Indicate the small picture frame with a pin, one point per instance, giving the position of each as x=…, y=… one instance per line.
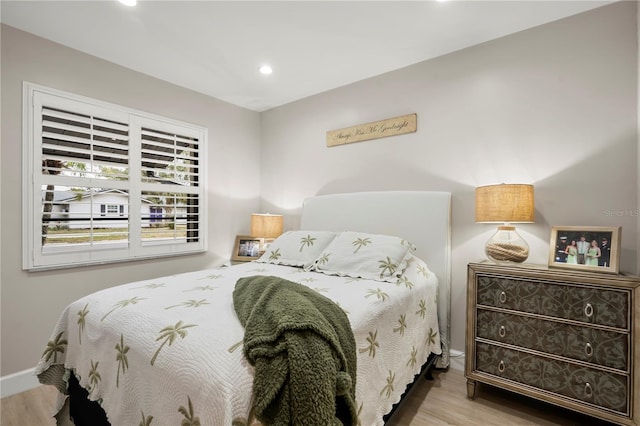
x=247, y=248
x=586, y=248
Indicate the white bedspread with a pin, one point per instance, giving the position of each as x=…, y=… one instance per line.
x=170, y=348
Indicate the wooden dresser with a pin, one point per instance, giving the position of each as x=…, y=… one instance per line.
x=566, y=337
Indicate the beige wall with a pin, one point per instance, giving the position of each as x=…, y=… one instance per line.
x=555, y=106
x=32, y=302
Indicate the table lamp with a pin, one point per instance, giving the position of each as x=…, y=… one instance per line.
x=267, y=226
x=507, y=204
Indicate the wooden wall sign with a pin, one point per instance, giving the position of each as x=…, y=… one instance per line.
x=374, y=130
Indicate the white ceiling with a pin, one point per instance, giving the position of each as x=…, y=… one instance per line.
x=216, y=47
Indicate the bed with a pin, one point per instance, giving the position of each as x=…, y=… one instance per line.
x=170, y=350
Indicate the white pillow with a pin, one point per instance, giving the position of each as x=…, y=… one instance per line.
x=297, y=248
x=417, y=271
x=361, y=255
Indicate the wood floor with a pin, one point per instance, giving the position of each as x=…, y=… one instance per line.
x=441, y=401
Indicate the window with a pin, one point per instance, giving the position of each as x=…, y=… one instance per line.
x=104, y=183
x=109, y=209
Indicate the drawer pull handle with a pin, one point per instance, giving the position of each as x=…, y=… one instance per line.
x=501, y=367
x=588, y=391
x=588, y=310
x=588, y=349
x=503, y=297
x=503, y=331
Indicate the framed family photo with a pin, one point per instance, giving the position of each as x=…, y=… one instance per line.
x=587, y=248
x=247, y=248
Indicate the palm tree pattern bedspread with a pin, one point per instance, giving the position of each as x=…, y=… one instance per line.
x=168, y=350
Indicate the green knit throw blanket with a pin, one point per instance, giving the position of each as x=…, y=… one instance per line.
x=303, y=351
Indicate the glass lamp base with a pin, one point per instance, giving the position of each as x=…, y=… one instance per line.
x=507, y=246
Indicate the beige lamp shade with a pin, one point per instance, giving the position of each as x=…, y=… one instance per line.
x=266, y=225
x=505, y=203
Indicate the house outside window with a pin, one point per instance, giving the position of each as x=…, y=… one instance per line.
x=98, y=176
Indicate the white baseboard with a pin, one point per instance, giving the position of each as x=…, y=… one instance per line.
x=18, y=382
x=456, y=360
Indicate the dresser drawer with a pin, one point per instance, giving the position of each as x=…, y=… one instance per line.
x=589, y=385
x=600, y=347
x=590, y=305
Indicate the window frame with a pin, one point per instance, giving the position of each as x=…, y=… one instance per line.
x=34, y=258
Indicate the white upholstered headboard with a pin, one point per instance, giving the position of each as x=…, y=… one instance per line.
x=421, y=217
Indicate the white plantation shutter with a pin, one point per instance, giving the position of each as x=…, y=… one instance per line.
x=169, y=156
x=90, y=141
x=105, y=183
x=170, y=174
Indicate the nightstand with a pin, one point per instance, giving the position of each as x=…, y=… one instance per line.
x=565, y=337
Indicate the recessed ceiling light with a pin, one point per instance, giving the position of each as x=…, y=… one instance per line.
x=128, y=2
x=266, y=69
